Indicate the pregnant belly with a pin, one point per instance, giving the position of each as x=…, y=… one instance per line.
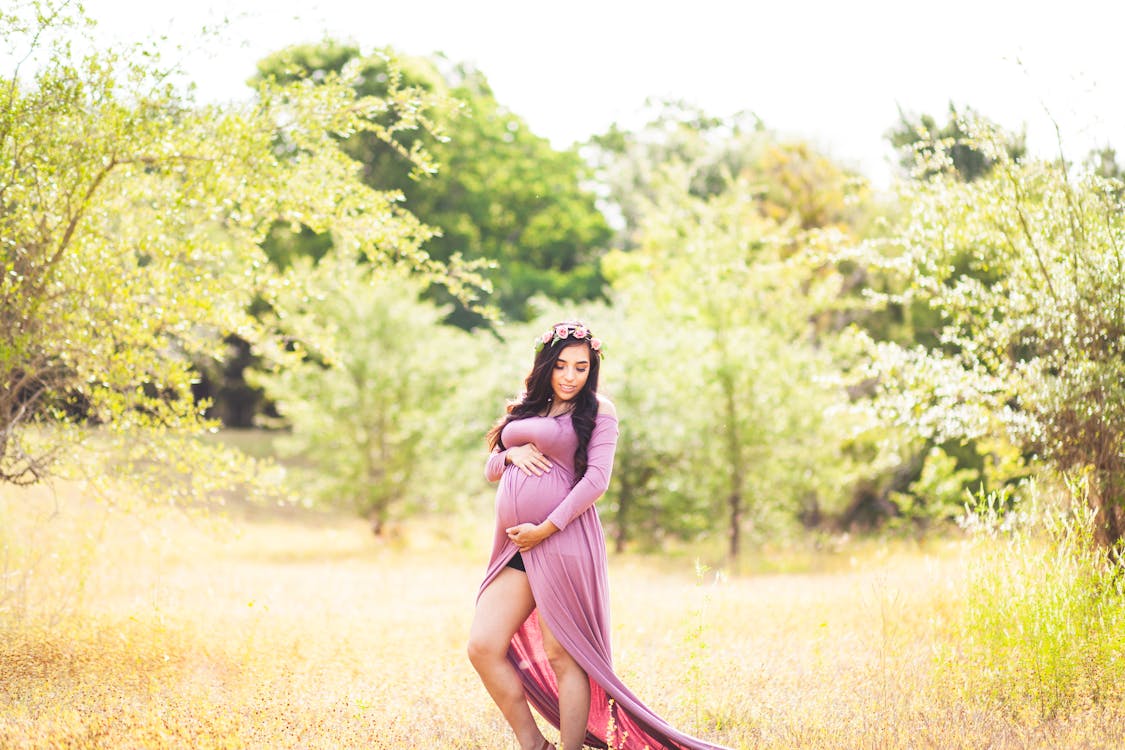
x=524, y=499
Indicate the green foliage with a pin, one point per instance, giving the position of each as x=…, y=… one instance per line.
x=649, y=371
x=939, y=491
x=1025, y=267
x=366, y=386
x=742, y=370
x=493, y=188
x=1103, y=162
x=633, y=164
x=730, y=231
x=918, y=139
x=1045, y=612
x=130, y=229
x=789, y=181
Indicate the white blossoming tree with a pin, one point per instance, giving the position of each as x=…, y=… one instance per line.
x=1025, y=267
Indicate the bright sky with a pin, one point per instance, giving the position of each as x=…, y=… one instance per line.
x=831, y=71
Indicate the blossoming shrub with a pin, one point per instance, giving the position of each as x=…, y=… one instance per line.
x=1024, y=269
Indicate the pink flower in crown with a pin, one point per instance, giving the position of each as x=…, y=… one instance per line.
x=561, y=332
x=547, y=337
x=580, y=332
x=595, y=343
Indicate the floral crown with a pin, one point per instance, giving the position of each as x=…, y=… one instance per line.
x=575, y=331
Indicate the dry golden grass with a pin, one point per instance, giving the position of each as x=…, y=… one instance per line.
x=288, y=630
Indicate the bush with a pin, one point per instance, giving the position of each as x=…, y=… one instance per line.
x=1045, y=615
x=1024, y=267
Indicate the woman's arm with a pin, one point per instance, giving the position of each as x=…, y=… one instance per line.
x=599, y=467
x=494, y=466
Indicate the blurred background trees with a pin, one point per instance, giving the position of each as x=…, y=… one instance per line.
x=365, y=385
x=919, y=139
x=1025, y=267
x=490, y=187
x=359, y=261
x=133, y=222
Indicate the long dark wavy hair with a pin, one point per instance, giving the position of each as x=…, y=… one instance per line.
x=537, y=396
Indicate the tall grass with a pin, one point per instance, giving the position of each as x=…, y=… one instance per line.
x=1044, y=629
x=300, y=631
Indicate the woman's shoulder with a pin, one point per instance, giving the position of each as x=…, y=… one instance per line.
x=606, y=407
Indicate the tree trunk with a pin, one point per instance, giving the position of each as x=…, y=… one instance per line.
x=377, y=523
x=734, y=459
x=735, y=503
x=624, y=502
x=1108, y=504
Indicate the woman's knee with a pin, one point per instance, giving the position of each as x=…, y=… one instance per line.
x=482, y=649
x=561, y=661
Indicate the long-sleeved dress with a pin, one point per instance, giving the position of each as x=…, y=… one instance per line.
x=568, y=577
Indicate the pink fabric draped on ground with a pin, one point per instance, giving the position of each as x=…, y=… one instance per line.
x=568, y=578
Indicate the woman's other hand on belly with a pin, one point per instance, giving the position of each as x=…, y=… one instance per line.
x=527, y=535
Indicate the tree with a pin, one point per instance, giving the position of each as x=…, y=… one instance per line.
x=493, y=189
x=364, y=384
x=1025, y=266
x=1103, y=161
x=918, y=138
x=131, y=221
x=649, y=371
x=745, y=371
x=788, y=180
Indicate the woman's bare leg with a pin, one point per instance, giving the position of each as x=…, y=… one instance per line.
x=574, y=691
x=501, y=609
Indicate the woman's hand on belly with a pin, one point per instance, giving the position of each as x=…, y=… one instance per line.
x=528, y=459
x=528, y=535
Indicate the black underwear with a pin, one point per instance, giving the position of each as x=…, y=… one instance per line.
x=517, y=563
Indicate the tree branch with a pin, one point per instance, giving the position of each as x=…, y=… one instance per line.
x=1028, y=235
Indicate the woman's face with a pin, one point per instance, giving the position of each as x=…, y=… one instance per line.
x=572, y=368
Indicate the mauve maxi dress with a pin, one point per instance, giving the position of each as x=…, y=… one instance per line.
x=567, y=573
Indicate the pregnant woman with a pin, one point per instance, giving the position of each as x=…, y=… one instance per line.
x=540, y=634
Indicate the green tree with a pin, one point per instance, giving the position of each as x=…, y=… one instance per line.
x=494, y=189
x=805, y=206
x=1104, y=163
x=649, y=369
x=130, y=229
x=789, y=181
x=920, y=139
x=747, y=374
x=365, y=385
x=1025, y=266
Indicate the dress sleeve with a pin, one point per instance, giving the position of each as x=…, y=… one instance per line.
x=599, y=466
x=494, y=467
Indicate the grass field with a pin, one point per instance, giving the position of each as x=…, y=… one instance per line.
x=298, y=630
